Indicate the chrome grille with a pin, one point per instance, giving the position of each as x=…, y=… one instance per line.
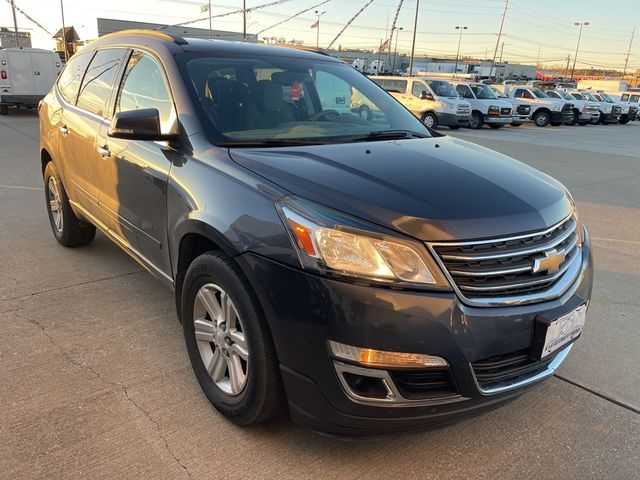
x=463, y=110
x=506, y=269
x=616, y=110
x=568, y=107
x=505, y=111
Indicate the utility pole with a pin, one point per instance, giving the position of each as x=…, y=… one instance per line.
x=500, y=62
x=64, y=33
x=626, y=62
x=455, y=70
x=210, y=30
x=575, y=57
x=566, y=70
x=538, y=61
x=395, y=50
x=15, y=24
x=495, y=52
x=244, y=20
x=413, y=42
x=379, y=58
x=318, y=15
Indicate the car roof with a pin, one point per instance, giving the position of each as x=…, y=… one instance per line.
x=160, y=40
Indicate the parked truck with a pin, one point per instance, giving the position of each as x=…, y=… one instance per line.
x=584, y=111
x=609, y=113
x=26, y=76
x=485, y=106
x=521, y=110
x=544, y=110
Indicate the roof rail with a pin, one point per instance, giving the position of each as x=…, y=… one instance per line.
x=177, y=39
x=302, y=47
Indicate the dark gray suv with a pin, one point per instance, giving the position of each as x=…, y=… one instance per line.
x=369, y=273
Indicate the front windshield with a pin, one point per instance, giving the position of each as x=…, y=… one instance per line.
x=539, y=93
x=590, y=97
x=564, y=95
x=442, y=88
x=607, y=98
x=482, y=92
x=279, y=99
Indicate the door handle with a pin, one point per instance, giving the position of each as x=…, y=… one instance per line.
x=64, y=130
x=104, y=151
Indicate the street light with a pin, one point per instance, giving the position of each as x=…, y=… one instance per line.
x=455, y=71
x=318, y=15
x=575, y=57
x=395, y=49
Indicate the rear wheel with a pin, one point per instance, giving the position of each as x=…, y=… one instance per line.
x=542, y=119
x=365, y=113
x=430, y=120
x=68, y=229
x=228, y=341
x=4, y=109
x=496, y=126
x=476, y=121
x=624, y=120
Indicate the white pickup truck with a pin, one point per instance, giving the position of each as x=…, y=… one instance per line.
x=628, y=110
x=26, y=76
x=521, y=110
x=544, y=110
x=584, y=111
x=609, y=113
x=485, y=106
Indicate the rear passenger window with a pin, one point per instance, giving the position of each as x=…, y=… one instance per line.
x=99, y=80
x=144, y=86
x=398, y=86
x=72, y=76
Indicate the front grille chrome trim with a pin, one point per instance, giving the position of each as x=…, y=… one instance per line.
x=481, y=288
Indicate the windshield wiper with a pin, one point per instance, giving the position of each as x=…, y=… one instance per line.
x=276, y=142
x=389, y=135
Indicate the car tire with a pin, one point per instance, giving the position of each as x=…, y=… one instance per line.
x=624, y=121
x=231, y=350
x=542, y=119
x=430, y=119
x=67, y=228
x=4, y=109
x=516, y=124
x=365, y=113
x=574, y=119
x=476, y=121
x=495, y=126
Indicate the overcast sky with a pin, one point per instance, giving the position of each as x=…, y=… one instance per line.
x=547, y=25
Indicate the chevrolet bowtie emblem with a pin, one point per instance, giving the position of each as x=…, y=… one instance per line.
x=550, y=262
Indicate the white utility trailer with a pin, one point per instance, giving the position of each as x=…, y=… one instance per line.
x=26, y=76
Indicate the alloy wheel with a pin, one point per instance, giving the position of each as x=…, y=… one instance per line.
x=55, y=204
x=220, y=338
x=429, y=121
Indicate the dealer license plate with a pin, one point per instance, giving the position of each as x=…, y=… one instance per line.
x=564, y=329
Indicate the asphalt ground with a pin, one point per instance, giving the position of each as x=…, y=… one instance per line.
x=95, y=381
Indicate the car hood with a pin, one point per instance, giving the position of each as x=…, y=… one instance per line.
x=431, y=189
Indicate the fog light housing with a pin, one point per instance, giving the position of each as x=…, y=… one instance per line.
x=384, y=359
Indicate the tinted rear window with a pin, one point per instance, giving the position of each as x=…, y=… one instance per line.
x=72, y=76
x=99, y=80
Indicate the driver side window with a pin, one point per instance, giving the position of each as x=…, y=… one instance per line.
x=417, y=88
x=464, y=91
x=144, y=86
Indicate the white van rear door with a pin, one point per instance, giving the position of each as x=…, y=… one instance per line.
x=45, y=71
x=20, y=72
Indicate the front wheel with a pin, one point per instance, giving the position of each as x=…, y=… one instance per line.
x=624, y=120
x=4, y=109
x=476, y=121
x=364, y=113
x=228, y=341
x=430, y=120
x=68, y=229
x=574, y=119
x=541, y=119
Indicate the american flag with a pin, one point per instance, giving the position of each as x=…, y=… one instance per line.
x=384, y=46
x=315, y=25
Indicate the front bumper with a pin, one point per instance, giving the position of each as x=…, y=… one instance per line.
x=610, y=118
x=498, y=120
x=562, y=117
x=453, y=119
x=304, y=311
x=589, y=116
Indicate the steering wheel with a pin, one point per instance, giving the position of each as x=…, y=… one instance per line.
x=322, y=114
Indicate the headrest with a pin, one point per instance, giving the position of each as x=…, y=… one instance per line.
x=269, y=97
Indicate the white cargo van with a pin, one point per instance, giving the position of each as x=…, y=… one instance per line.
x=26, y=76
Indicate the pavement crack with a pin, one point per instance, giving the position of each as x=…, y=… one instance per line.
x=631, y=408
x=72, y=361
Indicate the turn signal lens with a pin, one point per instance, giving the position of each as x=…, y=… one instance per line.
x=303, y=234
x=384, y=359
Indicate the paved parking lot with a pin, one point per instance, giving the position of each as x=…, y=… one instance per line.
x=95, y=381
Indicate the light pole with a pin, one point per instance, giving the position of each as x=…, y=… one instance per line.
x=413, y=42
x=318, y=15
x=455, y=70
x=64, y=33
x=395, y=49
x=575, y=57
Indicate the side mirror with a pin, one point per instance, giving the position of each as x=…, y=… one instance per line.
x=425, y=95
x=141, y=124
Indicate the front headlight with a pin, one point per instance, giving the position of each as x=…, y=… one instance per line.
x=556, y=108
x=333, y=243
x=606, y=109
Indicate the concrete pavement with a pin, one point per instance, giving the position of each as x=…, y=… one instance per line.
x=95, y=381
